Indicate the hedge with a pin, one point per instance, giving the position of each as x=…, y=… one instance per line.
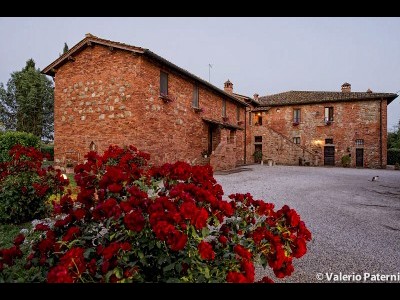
x=48, y=149
x=393, y=156
x=10, y=138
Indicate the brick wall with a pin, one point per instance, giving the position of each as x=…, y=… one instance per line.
x=112, y=97
x=352, y=120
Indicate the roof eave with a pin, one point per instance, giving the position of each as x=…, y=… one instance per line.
x=389, y=97
x=50, y=69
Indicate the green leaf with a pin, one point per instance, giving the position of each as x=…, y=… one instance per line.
x=169, y=267
x=118, y=272
x=87, y=252
x=207, y=273
x=205, y=232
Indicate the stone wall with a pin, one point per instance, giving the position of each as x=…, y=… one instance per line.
x=108, y=97
x=223, y=157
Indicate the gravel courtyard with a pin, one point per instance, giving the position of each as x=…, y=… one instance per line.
x=355, y=222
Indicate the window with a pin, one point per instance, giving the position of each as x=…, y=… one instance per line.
x=195, y=100
x=296, y=140
x=238, y=113
x=359, y=142
x=224, y=108
x=258, y=139
x=328, y=114
x=328, y=141
x=296, y=116
x=258, y=119
x=249, y=118
x=163, y=83
x=231, y=136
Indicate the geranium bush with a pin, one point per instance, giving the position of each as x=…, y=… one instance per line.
x=25, y=186
x=133, y=223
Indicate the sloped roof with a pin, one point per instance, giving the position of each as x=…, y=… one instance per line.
x=311, y=97
x=91, y=39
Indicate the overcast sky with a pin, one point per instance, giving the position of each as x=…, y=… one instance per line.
x=259, y=55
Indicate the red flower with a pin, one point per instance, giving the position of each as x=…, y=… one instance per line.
x=79, y=213
x=177, y=240
x=115, y=188
x=41, y=227
x=248, y=269
x=59, y=274
x=200, y=220
x=300, y=248
x=223, y=239
x=187, y=210
x=206, y=251
x=265, y=279
x=71, y=234
x=19, y=239
x=235, y=277
x=134, y=221
x=242, y=252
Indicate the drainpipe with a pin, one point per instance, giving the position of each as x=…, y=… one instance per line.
x=245, y=134
x=380, y=134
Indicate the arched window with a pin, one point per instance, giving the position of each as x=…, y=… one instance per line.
x=92, y=146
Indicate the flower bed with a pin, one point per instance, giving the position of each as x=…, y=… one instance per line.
x=132, y=223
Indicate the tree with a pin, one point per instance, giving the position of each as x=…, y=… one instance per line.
x=27, y=103
x=65, y=50
x=393, y=141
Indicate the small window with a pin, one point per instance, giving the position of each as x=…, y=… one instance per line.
x=163, y=83
x=195, y=100
x=296, y=116
x=258, y=139
x=359, y=142
x=232, y=136
x=328, y=141
x=296, y=140
x=224, y=108
x=238, y=113
x=328, y=114
x=92, y=146
x=258, y=119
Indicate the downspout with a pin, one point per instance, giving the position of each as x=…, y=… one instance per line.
x=380, y=134
x=245, y=135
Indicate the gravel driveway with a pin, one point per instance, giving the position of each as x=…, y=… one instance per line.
x=355, y=222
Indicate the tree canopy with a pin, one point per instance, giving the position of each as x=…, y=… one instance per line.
x=27, y=103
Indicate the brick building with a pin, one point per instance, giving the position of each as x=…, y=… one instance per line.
x=319, y=128
x=112, y=93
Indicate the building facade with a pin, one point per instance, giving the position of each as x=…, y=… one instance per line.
x=320, y=128
x=112, y=93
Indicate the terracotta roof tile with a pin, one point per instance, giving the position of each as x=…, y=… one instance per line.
x=310, y=97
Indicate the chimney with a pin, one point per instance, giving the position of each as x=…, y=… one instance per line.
x=228, y=87
x=346, y=87
x=369, y=91
x=255, y=96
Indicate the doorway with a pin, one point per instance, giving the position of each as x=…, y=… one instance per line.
x=329, y=155
x=360, y=157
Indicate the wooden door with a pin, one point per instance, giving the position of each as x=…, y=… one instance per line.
x=329, y=155
x=360, y=157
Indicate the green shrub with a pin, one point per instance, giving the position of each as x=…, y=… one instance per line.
x=25, y=187
x=9, y=139
x=346, y=160
x=393, y=156
x=48, y=150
